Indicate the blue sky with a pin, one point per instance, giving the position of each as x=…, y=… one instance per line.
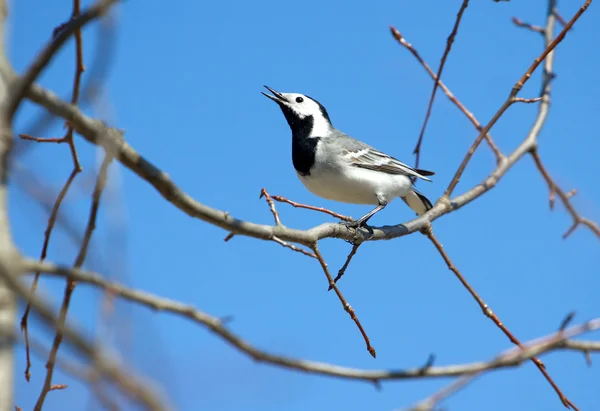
x=185, y=82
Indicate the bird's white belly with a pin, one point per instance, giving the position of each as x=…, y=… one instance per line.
x=355, y=185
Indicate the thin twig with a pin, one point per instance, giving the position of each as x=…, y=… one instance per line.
x=565, y=198
x=293, y=247
x=487, y=311
x=309, y=207
x=70, y=285
x=47, y=233
x=527, y=100
x=402, y=41
x=511, y=98
x=264, y=193
x=68, y=138
x=531, y=27
x=560, y=18
x=345, y=266
x=43, y=139
x=347, y=307
x=449, y=41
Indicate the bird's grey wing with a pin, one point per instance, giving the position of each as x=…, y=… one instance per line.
x=372, y=159
x=358, y=154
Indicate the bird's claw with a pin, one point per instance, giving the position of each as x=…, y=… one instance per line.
x=355, y=224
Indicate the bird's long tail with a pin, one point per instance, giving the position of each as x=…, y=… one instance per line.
x=417, y=202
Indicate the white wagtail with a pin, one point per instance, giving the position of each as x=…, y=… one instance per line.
x=337, y=167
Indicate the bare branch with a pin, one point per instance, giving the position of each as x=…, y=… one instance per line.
x=529, y=350
x=43, y=58
x=47, y=234
x=528, y=26
x=216, y=326
x=70, y=285
x=345, y=266
x=309, y=207
x=487, y=311
x=347, y=307
x=402, y=41
x=565, y=199
x=438, y=76
x=511, y=98
x=265, y=194
x=293, y=247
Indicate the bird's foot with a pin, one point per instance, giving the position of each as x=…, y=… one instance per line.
x=356, y=224
x=353, y=224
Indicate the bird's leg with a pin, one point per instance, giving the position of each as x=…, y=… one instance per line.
x=363, y=220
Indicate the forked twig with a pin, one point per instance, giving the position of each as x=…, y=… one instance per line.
x=531, y=27
x=565, y=198
x=511, y=98
x=68, y=138
x=402, y=41
x=345, y=266
x=70, y=285
x=264, y=193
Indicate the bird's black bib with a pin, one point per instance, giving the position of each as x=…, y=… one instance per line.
x=304, y=147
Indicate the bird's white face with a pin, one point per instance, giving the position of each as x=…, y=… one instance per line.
x=299, y=107
x=302, y=105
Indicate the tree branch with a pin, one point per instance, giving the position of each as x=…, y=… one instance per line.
x=438, y=76
x=216, y=326
x=21, y=88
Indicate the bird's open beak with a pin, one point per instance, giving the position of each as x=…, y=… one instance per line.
x=276, y=97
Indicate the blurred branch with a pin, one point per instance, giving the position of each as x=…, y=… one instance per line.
x=11, y=267
x=42, y=60
x=67, y=138
x=70, y=285
x=47, y=234
x=531, y=27
x=438, y=76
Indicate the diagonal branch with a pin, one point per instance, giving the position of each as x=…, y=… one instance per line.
x=438, y=76
x=487, y=311
x=43, y=58
x=347, y=307
x=402, y=41
x=342, y=270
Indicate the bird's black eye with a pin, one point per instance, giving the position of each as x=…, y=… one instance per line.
x=299, y=99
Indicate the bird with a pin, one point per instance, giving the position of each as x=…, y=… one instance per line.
x=337, y=167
